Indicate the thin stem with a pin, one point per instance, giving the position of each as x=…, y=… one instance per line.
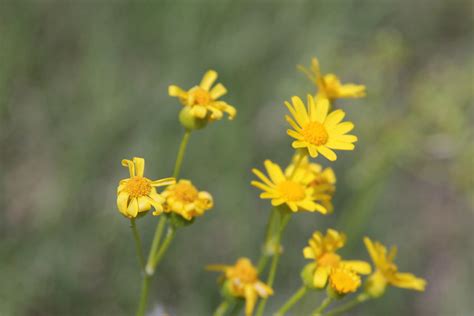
x=324, y=304
x=164, y=247
x=349, y=305
x=221, y=309
x=182, y=150
x=154, y=245
x=285, y=217
x=265, y=255
x=292, y=301
x=138, y=243
x=143, y=296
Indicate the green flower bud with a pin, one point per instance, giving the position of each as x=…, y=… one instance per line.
x=307, y=275
x=189, y=121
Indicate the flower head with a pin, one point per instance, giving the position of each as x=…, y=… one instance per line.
x=282, y=188
x=323, y=180
x=387, y=272
x=323, y=250
x=243, y=282
x=344, y=280
x=318, y=131
x=184, y=199
x=138, y=194
x=202, y=101
x=329, y=85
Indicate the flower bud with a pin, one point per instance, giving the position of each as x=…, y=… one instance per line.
x=189, y=121
x=307, y=275
x=376, y=285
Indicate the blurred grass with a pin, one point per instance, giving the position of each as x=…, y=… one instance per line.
x=83, y=85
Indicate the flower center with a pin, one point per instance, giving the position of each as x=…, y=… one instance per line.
x=201, y=96
x=138, y=186
x=329, y=260
x=185, y=192
x=291, y=190
x=344, y=280
x=245, y=272
x=315, y=133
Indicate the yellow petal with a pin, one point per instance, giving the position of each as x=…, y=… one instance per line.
x=300, y=144
x=208, y=79
x=130, y=165
x=175, y=91
x=139, y=166
x=274, y=171
x=322, y=108
x=335, y=144
x=334, y=118
x=320, y=277
x=199, y=111
x=261, y=186
x=342, y=128
x=250, y=299
x=308, y=253
x=262, y=177
x=328, y=153
x=345, y=138
x=374, y=255
x=408, y=281
x=163, y=182
x=132, y=209
x=122, y=202
x=358, y=266
x=218, y=91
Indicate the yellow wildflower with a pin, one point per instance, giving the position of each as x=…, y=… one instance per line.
x=344, y=280
x=184, y=199
x=329, y=85
x=244, y=283
x=323, y=180
x=318, y=131
x=138, y=194
x=202, y=100
x=387, y=272
x=323, y=250
x=294, y=191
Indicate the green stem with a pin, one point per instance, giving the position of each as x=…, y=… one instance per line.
x=138, y=243
x=182, y=150
x=163, y=248
x=349, y=305
x=143, y=296
x=292, y=301
x=285, y=217
x=324, y=304
x=154, y=245
x=221, y=309
x=265, y=255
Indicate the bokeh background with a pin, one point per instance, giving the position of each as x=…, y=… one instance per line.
x=84, y=84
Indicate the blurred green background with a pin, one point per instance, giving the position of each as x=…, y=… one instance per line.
x=84, y=84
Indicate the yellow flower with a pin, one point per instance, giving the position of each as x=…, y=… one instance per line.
x=202, y=101
x=387, y=272
x=344, y=280
x=184, y=199
x=329, y=85
x=281, y=188
x=318, y=131
x=323, y=250
x=138, y=194
x=244, y=283
x=323, y=180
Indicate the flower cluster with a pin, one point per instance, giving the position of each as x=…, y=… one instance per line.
x=318, y=129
